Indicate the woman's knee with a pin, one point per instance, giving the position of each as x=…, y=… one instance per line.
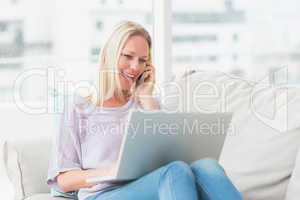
x=212, y=180
x=207, y=165
x=179, y=168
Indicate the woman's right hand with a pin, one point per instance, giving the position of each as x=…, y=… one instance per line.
x=75, y=179
x=109, y=171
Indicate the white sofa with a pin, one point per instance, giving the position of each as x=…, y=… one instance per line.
x=26, y=163
x=259, y=155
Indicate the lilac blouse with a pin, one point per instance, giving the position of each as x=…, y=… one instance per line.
x=89, y=137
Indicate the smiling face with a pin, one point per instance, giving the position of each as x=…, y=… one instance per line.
x=132, y=60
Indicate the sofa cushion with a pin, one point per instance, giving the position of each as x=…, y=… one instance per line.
x=26, y=162
x=44, y=196
x=260, y=150
x=293, y=190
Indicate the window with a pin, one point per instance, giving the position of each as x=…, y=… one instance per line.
x=55, y=34
x=249, y=39
x=52, y=38
x=194, y=38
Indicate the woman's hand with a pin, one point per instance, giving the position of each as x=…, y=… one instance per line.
x=76, y=179
x=110, y=171
x=144, y=91
x=147, y=86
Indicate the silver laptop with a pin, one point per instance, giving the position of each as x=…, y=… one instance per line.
x=153, y=139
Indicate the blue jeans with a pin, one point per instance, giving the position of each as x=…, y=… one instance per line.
x=204, y=180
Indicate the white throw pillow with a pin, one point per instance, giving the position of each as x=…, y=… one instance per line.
x=260, y=151
x=26, y=162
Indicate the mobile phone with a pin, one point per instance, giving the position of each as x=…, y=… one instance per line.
x=141, y=79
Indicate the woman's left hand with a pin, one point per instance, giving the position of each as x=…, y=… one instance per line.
x=145, y=90
x=147, y=86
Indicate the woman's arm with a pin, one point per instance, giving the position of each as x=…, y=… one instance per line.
x=75, y=179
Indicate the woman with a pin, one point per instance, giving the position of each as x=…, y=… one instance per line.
x=91, y=132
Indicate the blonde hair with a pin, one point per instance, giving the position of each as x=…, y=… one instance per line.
x=109, y=83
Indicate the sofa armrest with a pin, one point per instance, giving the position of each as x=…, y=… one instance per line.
x=26, y=163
